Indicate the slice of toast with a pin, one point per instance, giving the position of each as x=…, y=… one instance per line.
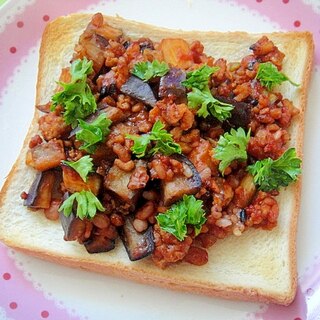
x=260, y=265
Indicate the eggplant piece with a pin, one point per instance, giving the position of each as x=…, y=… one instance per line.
x=146, y=44
x=103, y=70
x=113, y=113
x=74, y=183
x=99, y=243
x=73, y=227
x=46, y=108
x=47, y=155
x=107, y=90
x=171, y=84
x=138, y=245
x=107, y=84
x=103, y=153
x=117, y=181
x=40, y=192
x=174, y=190
x=140, y=90
x=240, y=115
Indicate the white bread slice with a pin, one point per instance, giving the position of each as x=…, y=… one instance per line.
x=258, y=266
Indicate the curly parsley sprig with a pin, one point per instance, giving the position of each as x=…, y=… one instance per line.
x=272, y=174
x=187, y=211
x=147, y=70
x=83, y=166
x=164, y=142
x=232, y=146
x=76, y=98
x=269, y=76
x=200, y=96
x=87, y=205
x=94, y=132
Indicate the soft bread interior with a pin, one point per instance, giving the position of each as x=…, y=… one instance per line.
x=259, y=265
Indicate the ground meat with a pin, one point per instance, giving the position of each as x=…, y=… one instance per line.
x=53, y=126
x=263, y=212
x=146, y=211
x=196, y=256
x=202, y=159
x=223, y=74
x=172, y=114
x=164, y=168
x=34, y=141
x=265, y=50
x=138, y=178
x=268, y=143
x=140, y=119
x=168, y=249
x=231, y=206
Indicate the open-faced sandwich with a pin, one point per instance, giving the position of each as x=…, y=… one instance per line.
x=163, y=156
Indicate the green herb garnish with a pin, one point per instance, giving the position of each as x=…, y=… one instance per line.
x=272, y=174
x=200, y=96
x=76, y=97
x=83, y=166
x=208, y=104
x=269, y=76
x=164, y=142
x=199, y=78
x=232, y=146
x=187, y=211
x=91, y=133
x=148, y=70
x=87, y=205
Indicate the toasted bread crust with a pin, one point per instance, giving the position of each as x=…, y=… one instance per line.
x=258, y=266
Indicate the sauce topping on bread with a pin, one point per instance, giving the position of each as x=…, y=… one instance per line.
x=162, y=145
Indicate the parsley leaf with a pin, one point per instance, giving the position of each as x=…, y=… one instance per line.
x=232, y=146
x=195, y=213
x=80, y=69
x=76, y=97
x=140, y=145
x=208, y=104
x=199, y=78
x=271, y=174
x=187, y=211
x=83, y=166
x=93, y=132
x=200, y=95
x=164, y=142
x=147, y=70
x=269, y=76
x=87, y=205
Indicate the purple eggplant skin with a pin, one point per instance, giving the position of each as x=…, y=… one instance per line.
x=33, y=191
x=138, y=245
x=240, y=115
x=43, y=189
x=72, y=226
x=68, y=224
x=140, y=90
x=146, y=44
x=46, y=108
x=97, y=244
x=171, y=84
x=175, y=189
x=117, y=181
